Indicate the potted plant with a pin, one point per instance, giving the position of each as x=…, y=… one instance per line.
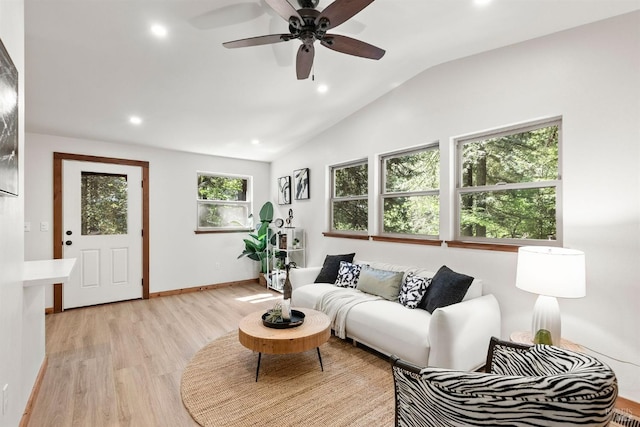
x=255, y=246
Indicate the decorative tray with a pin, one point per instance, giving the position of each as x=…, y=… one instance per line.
x=297, y=319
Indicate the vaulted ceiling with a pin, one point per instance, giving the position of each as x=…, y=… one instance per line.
x=92, y=64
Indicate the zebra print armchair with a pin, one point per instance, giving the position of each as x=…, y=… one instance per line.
x=523, y=386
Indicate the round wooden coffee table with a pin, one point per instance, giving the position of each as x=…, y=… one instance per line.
x=314, y=332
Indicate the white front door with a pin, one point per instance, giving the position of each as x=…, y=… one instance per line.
x=102, y=229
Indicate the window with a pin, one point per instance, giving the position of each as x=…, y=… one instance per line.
x=509, y=185
x=224, y=202
x=349, y=198
x=103, y=204
x=410, y=192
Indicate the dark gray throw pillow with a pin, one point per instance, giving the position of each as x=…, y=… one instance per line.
x=447, y=287
x=329, y=271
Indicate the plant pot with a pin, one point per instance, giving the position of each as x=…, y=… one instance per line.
x=262, y=280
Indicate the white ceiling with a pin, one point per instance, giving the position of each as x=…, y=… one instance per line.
x=90, y=64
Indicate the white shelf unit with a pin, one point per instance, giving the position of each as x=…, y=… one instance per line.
x=289, y=247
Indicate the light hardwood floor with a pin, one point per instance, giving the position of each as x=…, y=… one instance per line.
x=120, y=364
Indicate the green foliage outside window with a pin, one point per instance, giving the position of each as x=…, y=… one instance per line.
x=520, y=172
x=350, y=215
x=350, y=206
x=222, y=201
x=222, y=188
x=411, y=203
x=412, y=215
x=103, y=204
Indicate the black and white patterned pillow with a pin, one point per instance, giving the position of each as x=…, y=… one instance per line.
x=348, y=274
x=413, y=290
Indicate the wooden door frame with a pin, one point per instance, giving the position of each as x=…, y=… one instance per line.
x=58, y=215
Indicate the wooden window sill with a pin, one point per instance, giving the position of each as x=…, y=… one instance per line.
x=482, y=246
x=346, y=235
x=408, y=240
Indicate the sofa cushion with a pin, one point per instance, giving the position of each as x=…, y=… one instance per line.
x=383, y=283
x=348, y=274
x=447, y=287
x=329, y=272
x=391, y=328
x=307, y=296
x=413, y=290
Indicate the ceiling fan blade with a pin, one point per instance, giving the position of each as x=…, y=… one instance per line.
x=304, y=61
x=341, y=10
x=351, y=46
x=284, y=9
x=258, y=41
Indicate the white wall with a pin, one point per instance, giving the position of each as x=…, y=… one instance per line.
x=178, y=257
x=590, y=77
x=19, y=374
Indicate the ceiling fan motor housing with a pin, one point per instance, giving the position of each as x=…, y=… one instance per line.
x=308, y=4
x=308, y=31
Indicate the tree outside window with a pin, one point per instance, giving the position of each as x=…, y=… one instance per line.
x=103, y=204
x=349, y=201
x=509, y=182
x=410, y=192
x=224, y=202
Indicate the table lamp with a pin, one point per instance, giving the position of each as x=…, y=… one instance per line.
x=550, y=273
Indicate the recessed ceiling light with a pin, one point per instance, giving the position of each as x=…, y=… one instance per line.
x=323, y=88
x=481, y=2
x=160, y=31
x=255, y=141
x=135, y=120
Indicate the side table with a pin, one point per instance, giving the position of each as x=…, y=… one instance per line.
x=526, y=337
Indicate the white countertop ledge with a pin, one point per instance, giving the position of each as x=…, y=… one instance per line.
x=47, y=272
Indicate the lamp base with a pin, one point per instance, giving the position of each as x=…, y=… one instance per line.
x=546, y=315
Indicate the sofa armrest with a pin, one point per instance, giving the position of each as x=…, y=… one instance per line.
x=460, y=333
x=303, y=276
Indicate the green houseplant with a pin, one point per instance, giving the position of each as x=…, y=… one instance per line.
x=255, y=246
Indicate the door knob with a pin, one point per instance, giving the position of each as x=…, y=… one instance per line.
x=68, y=242
x=69, y=232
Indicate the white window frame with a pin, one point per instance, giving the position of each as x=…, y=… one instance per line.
x=557, y=184
x=333, y=198
x=248, y=203
x=435, y=146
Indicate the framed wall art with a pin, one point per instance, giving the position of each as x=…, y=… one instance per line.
x=301, y=183
x=8, y=124
x=284, y=190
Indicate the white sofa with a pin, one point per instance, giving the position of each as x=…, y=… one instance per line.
x=453, y=337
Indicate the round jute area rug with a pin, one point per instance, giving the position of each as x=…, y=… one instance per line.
x=356, y=388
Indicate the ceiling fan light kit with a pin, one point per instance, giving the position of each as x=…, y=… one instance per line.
x=308, y=24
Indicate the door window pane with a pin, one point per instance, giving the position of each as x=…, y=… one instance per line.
x=103, y=204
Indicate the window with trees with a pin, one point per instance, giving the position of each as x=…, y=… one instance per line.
x=103, y=204
x=224, y=202
x=349, y=198
x=508, y=187
x=410, y=195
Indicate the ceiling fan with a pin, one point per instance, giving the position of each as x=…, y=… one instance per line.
x=308, y=25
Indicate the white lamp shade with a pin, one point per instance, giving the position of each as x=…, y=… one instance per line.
x=551, y=271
